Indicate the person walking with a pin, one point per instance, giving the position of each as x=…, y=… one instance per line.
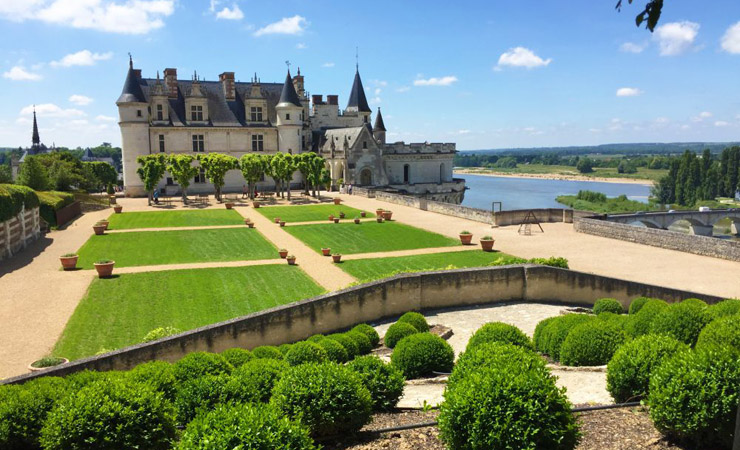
x=244, y=191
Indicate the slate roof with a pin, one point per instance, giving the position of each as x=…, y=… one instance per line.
x=289, y=95
x=131, y=87
x=339, y=135
x=379, y=125
x=357, y=97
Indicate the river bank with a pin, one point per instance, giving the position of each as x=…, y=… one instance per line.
x=553, y=176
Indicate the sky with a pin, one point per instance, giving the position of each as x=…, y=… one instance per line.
x=482, y=74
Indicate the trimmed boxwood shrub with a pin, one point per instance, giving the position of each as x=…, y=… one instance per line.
x=158, y=375
x=198, y=364
x=334, y=350
x=694, y=397
x=159, y=333
x=684, y=321
x=724, y=308
x=507, y=405
x=396, y=332
x=305, y=352
x=499, y=332
x=384, y=381
x=78, y=380
x=237, y=356
x=267, y=351
x=608, y=305
x=364, y=344
x=421, y=354
x=328, y=398
x=316, y=338
x=13, y=198
x=637, y=304
x=110, y=415
x=23, y=410
x=416, y=320
x=628, y=372
x=245, y=427
x=368, y=331
x=618, y=320
x=723, y=332
x=591, y=344
x=541, y=336
x=284, y=348
x=493, y=355
x=197, y=395
x=557, y=330
x=641, y=322
x=348, y=343
x=253, y=382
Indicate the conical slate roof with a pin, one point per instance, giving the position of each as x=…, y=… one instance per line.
x=379, y=125
x=131, y=89
x=357, y=99
x=289, y=95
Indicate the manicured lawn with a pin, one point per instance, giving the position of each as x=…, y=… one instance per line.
x=163, y=219
x=309, y=213
x=178, y=246
x=348, y=238
x=376, y=268
x=120, y=311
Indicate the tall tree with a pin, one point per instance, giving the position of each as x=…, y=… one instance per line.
x=317, y=165
x=253, y=169
x=216, y=165
x=151, y=170
x=303, y=164
x=180, y=166
x=104, y=173
x=33, y=174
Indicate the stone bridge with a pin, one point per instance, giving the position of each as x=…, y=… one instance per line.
x=701, y=222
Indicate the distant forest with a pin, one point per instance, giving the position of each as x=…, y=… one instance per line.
x=101, y=151
x=674, y=148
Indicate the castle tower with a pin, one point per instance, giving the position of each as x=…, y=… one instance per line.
x=289, y=123
x=134, y=121
x=379, y=128
x=357, y=103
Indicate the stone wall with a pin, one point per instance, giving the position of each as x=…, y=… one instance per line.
x=545, y=215
x=377, y=301
x=19, y=231
x=673, y=240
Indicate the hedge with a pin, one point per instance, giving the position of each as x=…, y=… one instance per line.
x=197, y=395
x=52, y=201
x=253, y=382
x=158, y=375
x=591, y=344
x=641, y=322
x=24, y=409
x=13, y=198
x=267, y=351
x=723, y=332
x=334, y=350
x=499, y=332
x=198, y=364
x=237, y=357
x=347, y=342
x=368, y=331
x=421, y=354
x=554, y=334
x=492, y=355
x=724, y=308
x=305, y=352
x=637, y=304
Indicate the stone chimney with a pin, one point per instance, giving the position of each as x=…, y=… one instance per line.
x=170, y=82
x=332, y=100
x=227, y=84
x=317, y=99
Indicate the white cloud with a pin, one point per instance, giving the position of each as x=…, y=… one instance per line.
x=19, y=73
x=126, y=17
x=403, y=89
x=328, y=64
x=720, y=123
x=676, y=38
x=102, y=118
x=701, y=116
x=442, y=81
x=662, y=120
x=301, y=46
x=731, y=39
x=80, y=100
x=631, y=47
x=233, y=13
x=628, y=92
x=289, y=25
x=521, y=57
x=463, y=131
x=375, y=100
x=81, y=58
x=51, y=110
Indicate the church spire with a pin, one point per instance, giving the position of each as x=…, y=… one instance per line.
x=379, y=125
x=357, y=99
x=35, y=139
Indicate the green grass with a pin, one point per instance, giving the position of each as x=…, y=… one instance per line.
x=373, y=269
x=348, y=238
x=114, y=313
x=144, y=248
x=166, y=219
x=309, y=213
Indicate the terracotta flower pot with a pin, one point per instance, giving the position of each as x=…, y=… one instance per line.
x=283, y=254
x=331, y=217
x=379, y=212
x=465, y=239
x=336, y=258
x=117, y=209
x=105, y=270
x=111, y=199
x=336, y=220
x=69, y=262
x=291, y=261
x=379, y=219
x=256, y=204
x=341, y=215
x=277, y=219
x=250, y=224
x=282, y=223
x=326, y=251
x=337, y=200
x=99, y=229
x=105, y=223
x=387, y=215
x=37, y=369
x=229, y=205
x=363, y=214
x=357, y=221
x=487, y=244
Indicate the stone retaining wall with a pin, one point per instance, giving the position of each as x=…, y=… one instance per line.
x=376, y=301
x=16, y=233
x=673, y=240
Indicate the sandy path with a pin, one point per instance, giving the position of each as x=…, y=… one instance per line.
x=556, y=176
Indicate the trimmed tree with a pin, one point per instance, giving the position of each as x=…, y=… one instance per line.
x=151, y=170
x=317, y=166
x=180, y=165
x=253, y=169
x=105, y=174
x=215, y=166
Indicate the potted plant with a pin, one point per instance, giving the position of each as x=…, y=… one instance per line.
x=250, y=224
x=331, y=217
x=99, y=228
x=486, y=242
x=104, y=267
x=46, y=362
x=337, y=200
x=387, y=214
x=291, y=260
x=379, y=212
x=363, y=214
x=326, y=251
x=104, y=222
x=466, y=237
x=256, y=204
x=341, y=215
x=69, y=261
x=379, y=219
x=117, y=209
x=277, y=219
x=283, y=253
x=336, y=220
x=229, y=205
x=357, y=220
x=282, y=223
x=336, y=257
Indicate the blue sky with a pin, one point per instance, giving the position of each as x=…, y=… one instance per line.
x=491, y=74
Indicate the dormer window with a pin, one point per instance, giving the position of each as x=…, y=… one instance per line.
x=364, y=118
x=138, y=113
x=364, y=144
x=255, y=114
x=196, y=113
x=160, y=112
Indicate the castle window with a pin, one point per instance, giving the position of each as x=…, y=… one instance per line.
x=406, y=173
x=364, y=144
x=256, y=114
x=364, y=118
x=199, y=144
x=160, y=112
x=170, y=182
x=287, y=117
x=257, y=143
x=201, y=177
x=196, y=113
x=161, y=143
x=138, y=113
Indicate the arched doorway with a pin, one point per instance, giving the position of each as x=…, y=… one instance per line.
x=366, y=177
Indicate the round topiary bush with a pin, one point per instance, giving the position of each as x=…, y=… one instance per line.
x=328, y=398
x=556, y=331
x=641, y=322
x=267, y=351
x=245, y=426
x=416, y=320
x=78, y=380
x=253, y=382
x=628, y=372
x=637, y=304
x=237, y=356
x=499, y=332
x=723, y=332
x=316, y=338
x=368, y=331
x=493, y=355
x=197, y=395
x=421, y=354
x=334, y=350
x=364, y=344
x=396, y=332
x=110, y=415
x=694, y=397
x=198, y=364
x=384, y=381
x=159, y=375
x=541, y=336
x=618, y=320
x=24, y=408
x=347, y=342
x=284, y=348
x=305, y=352
x=684, y=321
x=611, y=305
x=724, y=308
x=591, y=344
x=495, y=406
